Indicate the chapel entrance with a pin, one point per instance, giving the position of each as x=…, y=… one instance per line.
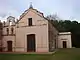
x=9, y=45
x=31, y=43
x=64, y=44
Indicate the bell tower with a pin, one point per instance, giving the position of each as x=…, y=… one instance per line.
x=11, y=20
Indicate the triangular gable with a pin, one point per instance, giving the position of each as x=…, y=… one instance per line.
x=33, y=10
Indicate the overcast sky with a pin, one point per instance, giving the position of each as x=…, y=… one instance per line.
x=65, y=9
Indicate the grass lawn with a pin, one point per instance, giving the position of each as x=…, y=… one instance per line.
x=62, y=54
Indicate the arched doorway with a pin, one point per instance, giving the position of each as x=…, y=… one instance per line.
x=9, y=45
x=31, y=43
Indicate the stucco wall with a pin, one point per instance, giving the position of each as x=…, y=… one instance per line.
x=5, y=45
x=5, y=30
x=37, y=19
x=39, y=28
x=64, y=37
x=8, y=37
x=40, y=34
x=53, y=37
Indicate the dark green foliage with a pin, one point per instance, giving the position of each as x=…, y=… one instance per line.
x=69, y=26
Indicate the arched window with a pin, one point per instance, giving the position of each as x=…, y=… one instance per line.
x=12, y=31
x=7, y=30
x=4, y=23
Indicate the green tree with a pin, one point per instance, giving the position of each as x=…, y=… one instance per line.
x=67, y=26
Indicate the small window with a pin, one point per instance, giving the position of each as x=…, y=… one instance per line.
x=7, y=30
x=12, y=30
x=29, y=21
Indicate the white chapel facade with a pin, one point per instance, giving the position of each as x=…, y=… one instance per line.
x=31, y=33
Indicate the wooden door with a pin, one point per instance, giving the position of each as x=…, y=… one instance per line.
x=9, y=45
x=64, y=44
x=31, y=43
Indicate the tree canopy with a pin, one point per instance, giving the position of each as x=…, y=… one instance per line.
x=68, y=26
